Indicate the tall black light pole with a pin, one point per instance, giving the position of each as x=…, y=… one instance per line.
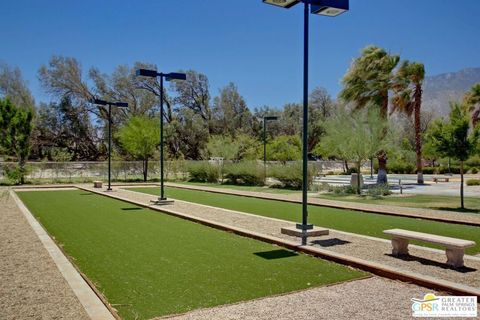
x=168, y=76
x=110, y=104
x=265, y=120
x=321, y=7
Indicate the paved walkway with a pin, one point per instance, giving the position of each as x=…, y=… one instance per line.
x=447, y=216
x=31, y=286
x=423, y=261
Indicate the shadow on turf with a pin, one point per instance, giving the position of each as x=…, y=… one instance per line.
x=275, y=254
x=130, y=209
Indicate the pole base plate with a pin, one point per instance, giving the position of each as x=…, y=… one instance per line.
x=162, y=202
x=313, y=232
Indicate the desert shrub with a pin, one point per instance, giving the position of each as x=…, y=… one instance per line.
x=473, y=182
x=244, y=173
x=14, y=173
x=400, y=167
x=291, y=176
x=378, y=190
x=203, y=172
x=473, y=170
x=430, y=170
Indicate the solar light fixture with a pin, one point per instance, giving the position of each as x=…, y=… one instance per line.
x=168, y=77
x=117, y=104
x=330, y=8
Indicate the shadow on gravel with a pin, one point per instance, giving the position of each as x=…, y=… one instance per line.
x=276, y=254
x=457, y=209
x=330, y=242
x=428, y=262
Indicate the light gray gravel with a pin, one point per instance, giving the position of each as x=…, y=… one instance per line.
x=373, y=298
x=31, y=286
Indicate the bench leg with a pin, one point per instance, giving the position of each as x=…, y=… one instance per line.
x=400, y=247
x=455, y=257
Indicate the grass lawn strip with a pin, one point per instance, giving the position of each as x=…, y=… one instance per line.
x=149, y=264
x=363, y=223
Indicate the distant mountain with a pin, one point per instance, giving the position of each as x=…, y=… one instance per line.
x=439, y=90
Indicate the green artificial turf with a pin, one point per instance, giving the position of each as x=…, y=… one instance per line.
x=151, y=264
x=239, y=187
x=415, y=201
x=364, y=223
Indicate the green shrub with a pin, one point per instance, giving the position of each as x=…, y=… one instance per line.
x=203, y=172
x=244, y=173
x=291, y=176
x=473, y=170
x=14, y=173
x=378, y=190
x=430, y=170
x=473, y=182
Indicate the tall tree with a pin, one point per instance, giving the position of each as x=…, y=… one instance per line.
x=15, y=131
x=231, y=112
x=367, y=83
x=140, y=136
x=14, y=87
x=194, y=94
x=472, y=100
x=407, y=98
x=455, y=138
x=354, y=136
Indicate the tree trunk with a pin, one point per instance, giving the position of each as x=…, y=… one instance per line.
x=145, y=169
x=382, y=168
x=462, y=205
x=358, y=177
x=418, y=135
x=21, y=166
x=345, y=165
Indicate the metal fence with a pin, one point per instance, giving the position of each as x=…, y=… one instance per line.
x=133, y=170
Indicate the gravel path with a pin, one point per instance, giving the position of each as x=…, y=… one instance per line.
x=395, y=210
x=373, y=298
x=422, y=260
x=31, y=285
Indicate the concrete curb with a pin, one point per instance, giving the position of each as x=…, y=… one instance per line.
x=329, y=205
x=92, y=304
x=372, y=267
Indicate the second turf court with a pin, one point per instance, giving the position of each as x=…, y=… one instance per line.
x=362, y=223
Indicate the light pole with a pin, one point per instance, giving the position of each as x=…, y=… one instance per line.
x=326, y=8
x=265, y=120
x=168, y=76
x=110, y=104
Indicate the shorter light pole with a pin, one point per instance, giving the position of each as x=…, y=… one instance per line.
x=110, y=104
x=265, y=120
x=168, y=76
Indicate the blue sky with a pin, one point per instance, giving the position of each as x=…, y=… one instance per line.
x=259, y=47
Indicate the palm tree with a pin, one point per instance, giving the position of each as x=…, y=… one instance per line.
x=408, y=99
x=367, y=83
x=472, y=98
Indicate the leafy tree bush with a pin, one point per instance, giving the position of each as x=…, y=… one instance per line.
x=15, y=133
x=203, y=172
x=284, y=148
x=473, y=182
x=244, y=173
x=291, y=176
x=140, y=137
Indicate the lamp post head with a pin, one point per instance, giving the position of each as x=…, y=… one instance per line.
x=330, y=8
x=146, y=73
x=121, y=104
x=175, y=76
x=270, y=118
x=282, y=3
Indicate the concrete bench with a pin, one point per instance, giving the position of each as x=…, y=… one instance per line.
x=97, y=184
x=437, y=179
x=455, y=248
